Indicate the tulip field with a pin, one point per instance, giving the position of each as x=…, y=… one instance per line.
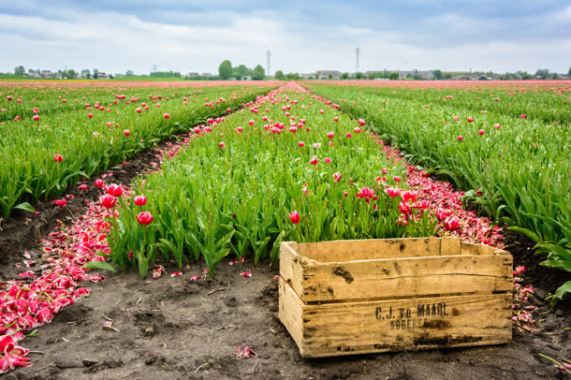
x=53, y=137
x=189, y=242
x=510, y=149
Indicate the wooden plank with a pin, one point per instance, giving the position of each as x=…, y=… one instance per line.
x=379, y=326
x=402, y=278
x=290, y=312
x=348, y=250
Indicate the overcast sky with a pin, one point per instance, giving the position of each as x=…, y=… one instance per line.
x=303, y=36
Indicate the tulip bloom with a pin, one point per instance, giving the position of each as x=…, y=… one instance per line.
x=314, y=161
x=301, y=144
x=114, y=190
x=36, y=117
x=166, y=116
x=58, y=158
x=392, y=192
x=481, y=132
x=361, y=122
x=337, y=177
x=330, y=135
x=140, y=200
x=108, y=201
x=294, y=217
x=99, y=183
x=127, y=133
x=460, y=137
x=145, y=218
x=327, y=160
x=452, y=224
x=366, y=193
x=221, y=145
x=470, y=119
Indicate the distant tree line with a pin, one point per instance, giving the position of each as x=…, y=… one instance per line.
x=241, y=72
x=227, y=71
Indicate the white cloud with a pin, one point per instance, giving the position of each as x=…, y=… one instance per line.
x=116, y=42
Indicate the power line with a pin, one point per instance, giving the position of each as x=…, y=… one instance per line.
x=357, y=60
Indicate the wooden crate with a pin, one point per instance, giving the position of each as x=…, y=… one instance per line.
x=364, y=296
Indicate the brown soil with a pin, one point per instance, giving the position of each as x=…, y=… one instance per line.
x=178, y=329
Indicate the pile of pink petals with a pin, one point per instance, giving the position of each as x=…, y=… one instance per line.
x=34, y=299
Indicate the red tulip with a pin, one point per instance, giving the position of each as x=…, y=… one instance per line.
x=210, y=121
x=251, y=123
x=409, y=196
x=221, y=144
x=357, y=130
x=481, y=132
x=460, y=137
x=396, y=178
x=301, y=144
x=197, y=130
x=327, y=160
x=294, y=217
x=140, y=200
x=314, y=161
x=166, y=116
x=497, y=126
x=58, y=158
x=349, y=135
x=36, y=117
x=9, y=98
x=293, y=129
x=366, y=193
x=384, y=170
x=145, y=218
x=239, y=129
x=114, y=190
x=337, y=177
x=99, y=183
x=83, y=187
x=470, y=119
x=330, y=135
x=107, y=201
x=127, y=133
x=392, y=192
x=336, y=119
x=138, y=110
x=523, y=116
x=90, y=115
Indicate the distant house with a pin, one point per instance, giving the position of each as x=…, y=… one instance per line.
x=308, y=76
x=416, y=74
x=206, y=75
x=49, y=74
x=193, y=75
x=34, y=73
x=328, y=74
x=102, y=75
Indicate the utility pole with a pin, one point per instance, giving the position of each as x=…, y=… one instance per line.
x=357, y=60
x=268, y=54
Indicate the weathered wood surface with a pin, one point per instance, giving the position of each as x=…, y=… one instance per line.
x=346, y=328
x=379, y=269
x=363, y=296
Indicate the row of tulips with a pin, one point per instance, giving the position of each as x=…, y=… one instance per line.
x=287, y=168
x=515, y=168
x=46, y=154
x=550, y=105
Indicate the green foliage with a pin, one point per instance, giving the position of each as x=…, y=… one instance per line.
x=225, y=70
x=280, y=75
x=258, y=73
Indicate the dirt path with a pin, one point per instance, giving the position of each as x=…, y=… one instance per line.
x=176, y=328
